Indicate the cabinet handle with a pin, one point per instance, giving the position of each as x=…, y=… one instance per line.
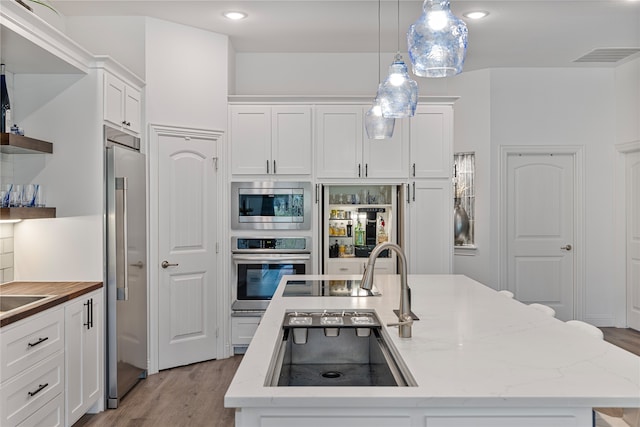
x=414, y=191
x=414, y=170
x=343, y=269
x=40, y=341
x=267, y=166
x=359, y=170
x=408, y=193
x=274, y=167
x=128, y=123
x=40, y=388
x=88, y=323
x=124, y=122
x=317, y=193
x=366, y=170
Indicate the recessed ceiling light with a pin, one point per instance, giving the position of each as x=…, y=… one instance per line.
x=235, y=16
x=476, y=14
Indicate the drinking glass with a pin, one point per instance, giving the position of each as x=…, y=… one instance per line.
x=39, y=201
x=29, y=195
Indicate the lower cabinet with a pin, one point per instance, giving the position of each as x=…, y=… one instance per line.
x=357, y=266
x=83, y=349
x=429, y=228
x=31, y=368
x=242, y=329
x=51, y=364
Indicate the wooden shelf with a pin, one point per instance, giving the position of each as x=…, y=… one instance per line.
x=17, y=144
x=27, y=213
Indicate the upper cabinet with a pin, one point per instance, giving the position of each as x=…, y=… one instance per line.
x=344, y=151
x=431, y=141
x=270, y=140
x=122, y=104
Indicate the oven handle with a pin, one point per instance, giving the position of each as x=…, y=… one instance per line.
x=271, y=257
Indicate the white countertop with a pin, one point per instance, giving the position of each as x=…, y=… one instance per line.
x=471, y=348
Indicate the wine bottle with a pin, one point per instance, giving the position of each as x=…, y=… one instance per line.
x=5, y=105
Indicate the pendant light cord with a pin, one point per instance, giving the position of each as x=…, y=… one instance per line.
x=398, y=37
x=379, y=31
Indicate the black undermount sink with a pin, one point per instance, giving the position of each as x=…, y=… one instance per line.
x=11, y=302
x=336, y=349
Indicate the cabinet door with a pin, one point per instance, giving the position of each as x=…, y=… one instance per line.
x=83, y=325
x=388, y=158
x=291, y=140
x=250, y=140
x=132, y=109
x=339, y=142
x=429, y=230
x=114, y=96
x=431, y=146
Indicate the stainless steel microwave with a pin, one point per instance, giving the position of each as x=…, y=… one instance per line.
x=271, y=205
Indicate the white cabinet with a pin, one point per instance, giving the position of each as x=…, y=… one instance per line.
x=32, y=368
x=357, y=266
x=429, y=229
x=431, y=141
x=122, y=104
x=272, y=140
x=83, y=332
x=242, y=330
x=344, y=151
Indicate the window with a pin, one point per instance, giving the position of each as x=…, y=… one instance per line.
x=464, y=199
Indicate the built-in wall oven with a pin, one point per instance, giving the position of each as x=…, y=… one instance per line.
x=260, y=262
x=271, y=205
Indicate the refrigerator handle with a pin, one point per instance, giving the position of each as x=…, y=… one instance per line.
x=122, y=292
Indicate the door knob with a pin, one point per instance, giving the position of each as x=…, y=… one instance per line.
x=166, y=264
x=567, y=247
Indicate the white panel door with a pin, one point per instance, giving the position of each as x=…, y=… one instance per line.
x=388, y=158
x=187, y=224
x=429, y=231
x=540, y=230
x=250, y=140
x=633, y=239
x=291, y=140
x=430, y=137
x=339, y=142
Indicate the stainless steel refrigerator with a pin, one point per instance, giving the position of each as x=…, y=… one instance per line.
x=126, y=263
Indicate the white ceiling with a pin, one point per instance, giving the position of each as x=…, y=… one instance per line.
x=517, y=33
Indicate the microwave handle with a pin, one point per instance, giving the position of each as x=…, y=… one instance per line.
x=270, y=257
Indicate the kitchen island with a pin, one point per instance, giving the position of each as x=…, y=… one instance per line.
x=478, y=359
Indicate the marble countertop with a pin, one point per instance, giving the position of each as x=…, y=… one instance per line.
x=471, y=348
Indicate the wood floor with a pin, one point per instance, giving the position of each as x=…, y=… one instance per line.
x=193, y=395
x=190, y=395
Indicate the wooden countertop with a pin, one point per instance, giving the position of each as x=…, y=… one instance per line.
x=61, y=292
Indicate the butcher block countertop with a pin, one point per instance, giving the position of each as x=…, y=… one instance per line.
x=58, y=292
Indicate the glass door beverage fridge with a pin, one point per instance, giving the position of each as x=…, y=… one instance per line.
x=355, y=219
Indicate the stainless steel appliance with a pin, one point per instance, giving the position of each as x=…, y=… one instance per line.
x=260, y=262
x=271, y=205
x=126, y=264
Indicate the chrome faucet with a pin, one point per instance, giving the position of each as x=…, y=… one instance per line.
x=404, y=311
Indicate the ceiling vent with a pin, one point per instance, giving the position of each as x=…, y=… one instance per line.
x=608, y=54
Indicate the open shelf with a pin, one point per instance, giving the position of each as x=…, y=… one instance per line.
x=27, y=213
x=17, y=144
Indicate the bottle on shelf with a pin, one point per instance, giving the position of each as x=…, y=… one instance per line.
x=5, y=105
x=382, y=233
x=349, y=227
x=359, y=234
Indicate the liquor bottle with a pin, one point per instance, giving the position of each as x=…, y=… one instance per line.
x=382, y=234
x=359, y=234
x=5, y=105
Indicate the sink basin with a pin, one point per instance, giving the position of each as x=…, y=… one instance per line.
x=11, y=302
x=336, y=349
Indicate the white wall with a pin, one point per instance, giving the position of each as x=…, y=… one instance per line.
x=186, y=76
x=121, y=38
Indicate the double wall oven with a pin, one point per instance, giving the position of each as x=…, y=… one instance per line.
x=271, y=224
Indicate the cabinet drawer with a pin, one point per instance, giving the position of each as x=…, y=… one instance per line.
x=29, y=341
x=50, y=415
x=23, y=395
x=243, y=329
x=346, y=267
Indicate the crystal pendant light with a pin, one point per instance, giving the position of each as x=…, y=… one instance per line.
x=376, y=125
x=437, y=41
x=398, y=94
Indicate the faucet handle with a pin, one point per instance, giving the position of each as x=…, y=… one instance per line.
x=404, y=320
